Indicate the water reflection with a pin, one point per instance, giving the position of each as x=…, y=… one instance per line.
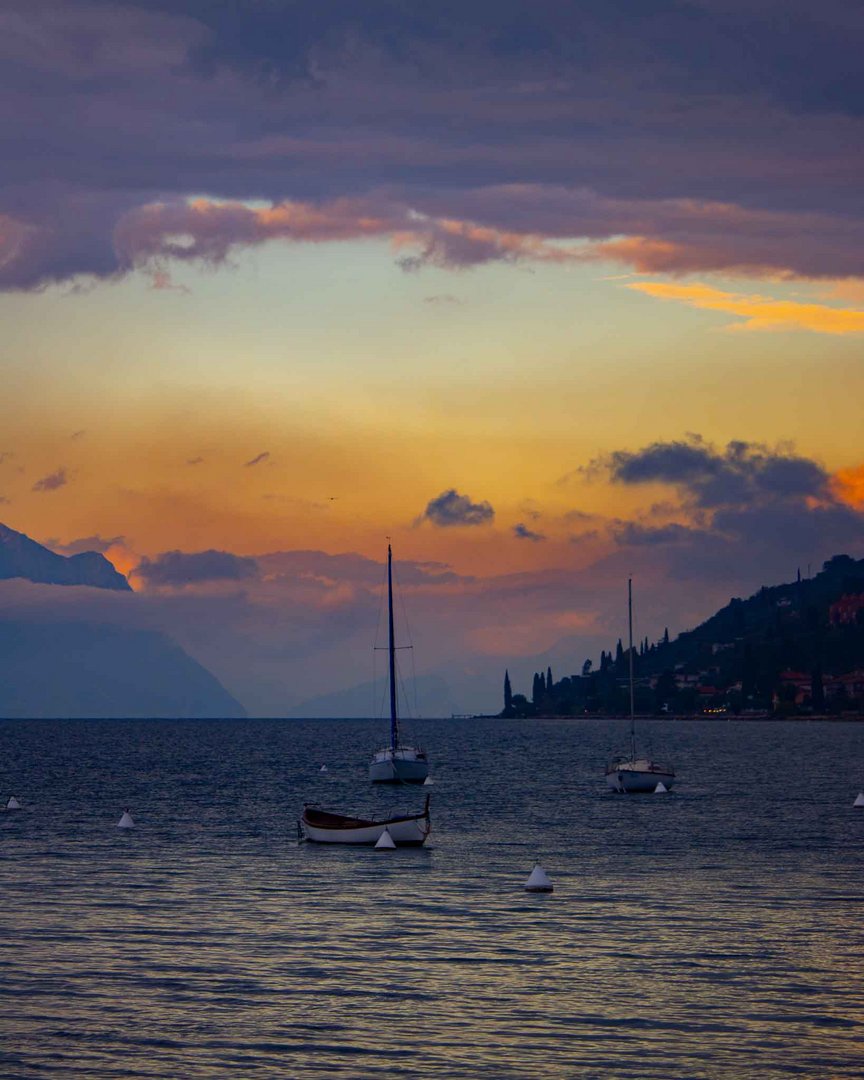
x=713, y=932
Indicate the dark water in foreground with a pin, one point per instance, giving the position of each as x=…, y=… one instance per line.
x=714, y=932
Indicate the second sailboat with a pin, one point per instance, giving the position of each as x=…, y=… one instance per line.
x=396, y=763
x=629, y=773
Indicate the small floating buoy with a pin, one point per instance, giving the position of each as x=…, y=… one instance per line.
x=538, y=881
x=661, y=788
x=860, y=800
x=385, y=840
x=13, y=803
x=126, y=821
x=323, y=768
x=428, y=781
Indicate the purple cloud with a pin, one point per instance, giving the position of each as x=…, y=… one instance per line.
x=635, y=534
x=450, y=508
x=52, y=481
x=85, y=543
x=522, y=532
x=741, y=474
x=193, y=568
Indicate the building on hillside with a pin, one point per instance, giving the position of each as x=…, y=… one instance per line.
x=844, y=611
x=850, y=684
x=802, y=683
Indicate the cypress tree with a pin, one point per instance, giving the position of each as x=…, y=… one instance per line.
x=508, y=694
x=619, y=654
x=549, y=683
x=817, y=689
x=666, y=636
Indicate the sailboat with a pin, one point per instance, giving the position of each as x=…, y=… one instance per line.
x=629, y=773
x=396, y=763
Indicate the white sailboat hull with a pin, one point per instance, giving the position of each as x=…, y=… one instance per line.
x=404, y=765
x=638, y=775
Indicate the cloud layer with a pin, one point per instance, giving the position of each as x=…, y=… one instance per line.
x=175, y=568
x=742, y=473
x=671, y=138
x=743, y=505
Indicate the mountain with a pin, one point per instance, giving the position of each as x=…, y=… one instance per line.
x=21, y=557
x=81, y=669
x=791, y=616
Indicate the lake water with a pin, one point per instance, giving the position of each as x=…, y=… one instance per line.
x=717, y=931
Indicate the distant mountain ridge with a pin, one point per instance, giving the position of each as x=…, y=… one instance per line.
x=73, y=669
x=431, y=693
x=21, y=557
x=54, y=667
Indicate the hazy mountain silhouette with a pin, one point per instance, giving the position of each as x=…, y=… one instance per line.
x=434, y=697
x=21, y=557
x=81, y=669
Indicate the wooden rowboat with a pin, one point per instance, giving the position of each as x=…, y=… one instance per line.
x=328, y=827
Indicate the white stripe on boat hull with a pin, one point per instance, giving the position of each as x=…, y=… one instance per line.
x=412, y=831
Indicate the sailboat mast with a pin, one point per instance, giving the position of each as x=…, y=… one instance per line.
x=394, y=721
x=632, y=702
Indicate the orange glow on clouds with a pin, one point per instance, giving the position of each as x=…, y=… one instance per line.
x=758, y=312
x=849, y=485
x=209, y=229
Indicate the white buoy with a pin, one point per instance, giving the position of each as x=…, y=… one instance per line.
x=860, y=800
x=126, y=821
x=323, y=768
x=13, y=803
x=538, y=881
x=385, y=840
x=661, y=788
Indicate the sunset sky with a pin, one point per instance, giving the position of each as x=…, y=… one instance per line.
x=547, y=294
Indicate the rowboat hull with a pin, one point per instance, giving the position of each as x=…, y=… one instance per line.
x=325, y=827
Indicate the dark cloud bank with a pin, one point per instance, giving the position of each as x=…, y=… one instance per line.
x=175, y=568
x=699, y=133
x=745, y=505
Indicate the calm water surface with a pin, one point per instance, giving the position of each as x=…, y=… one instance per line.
x=714, y=932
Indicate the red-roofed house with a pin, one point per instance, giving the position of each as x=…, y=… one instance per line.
x=845, y=610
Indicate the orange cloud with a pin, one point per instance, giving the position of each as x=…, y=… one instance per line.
x=209, y=229
x=848, y=485
x=668, y=237
x=759, y=312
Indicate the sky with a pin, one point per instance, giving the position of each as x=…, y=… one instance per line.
x=545, y=295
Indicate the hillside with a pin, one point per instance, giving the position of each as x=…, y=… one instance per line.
x=80, y=669
x=786, y=649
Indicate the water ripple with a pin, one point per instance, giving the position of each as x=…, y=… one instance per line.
x=712, y=933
